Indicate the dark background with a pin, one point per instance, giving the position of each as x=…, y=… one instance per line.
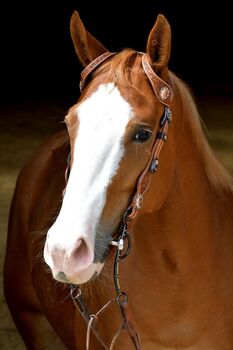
x=39, y=77
x=38, y=61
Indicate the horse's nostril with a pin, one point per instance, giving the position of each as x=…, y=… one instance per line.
x=82, y=254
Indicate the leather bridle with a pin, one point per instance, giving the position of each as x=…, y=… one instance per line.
x=164, y=94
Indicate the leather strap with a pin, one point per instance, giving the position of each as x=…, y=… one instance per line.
x=151, y=168
x=161, y=89
x=92, y=320
x=130, y=328
x=164, y=94
x=93, y=65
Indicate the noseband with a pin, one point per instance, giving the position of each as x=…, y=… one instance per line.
x=164, y=94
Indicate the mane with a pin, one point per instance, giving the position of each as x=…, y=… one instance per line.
x=120, y=70
x=216, y=172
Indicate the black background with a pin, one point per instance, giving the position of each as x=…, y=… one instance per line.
x=39, y=71
x=38, y=60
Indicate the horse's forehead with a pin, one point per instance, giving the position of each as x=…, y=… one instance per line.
x=118, y=100
x=105, y=107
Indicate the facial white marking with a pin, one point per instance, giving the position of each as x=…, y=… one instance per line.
x=98, y=150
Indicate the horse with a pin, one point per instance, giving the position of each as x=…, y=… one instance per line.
x=121, y=226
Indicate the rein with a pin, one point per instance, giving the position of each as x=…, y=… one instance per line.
x=164, y=94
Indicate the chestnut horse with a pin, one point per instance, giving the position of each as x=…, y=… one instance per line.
x=165, y=207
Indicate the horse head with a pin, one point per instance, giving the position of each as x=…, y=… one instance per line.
x=112, y=131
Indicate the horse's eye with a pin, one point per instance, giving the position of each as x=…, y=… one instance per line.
x=143, y=135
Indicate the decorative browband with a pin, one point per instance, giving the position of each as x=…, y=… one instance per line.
x=93, y=65
x=161, y=89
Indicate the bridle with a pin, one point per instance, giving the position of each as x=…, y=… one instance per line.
x=164, y=94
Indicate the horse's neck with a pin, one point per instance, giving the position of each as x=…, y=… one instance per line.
x=184, y=225
x=183, y=254
x=196, y=212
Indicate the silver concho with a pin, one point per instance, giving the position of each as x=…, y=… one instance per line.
x=164, y=93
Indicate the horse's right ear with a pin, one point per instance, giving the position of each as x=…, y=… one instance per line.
x=86, y=46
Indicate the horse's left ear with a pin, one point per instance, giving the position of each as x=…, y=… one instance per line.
x=87, y=47
x=159, y=46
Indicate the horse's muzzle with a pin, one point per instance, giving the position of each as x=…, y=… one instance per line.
x=73, y=264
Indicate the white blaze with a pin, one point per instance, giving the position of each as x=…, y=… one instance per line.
x=98, y=149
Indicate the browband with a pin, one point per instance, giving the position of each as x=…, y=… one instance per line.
x=161, y=89
x=93, y=65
